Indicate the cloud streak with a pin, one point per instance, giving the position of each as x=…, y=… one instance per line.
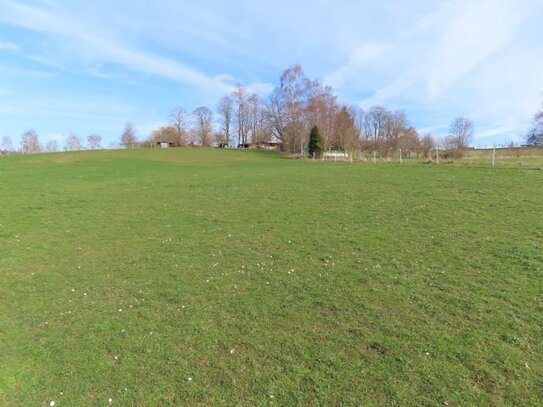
x=88, y=41
x=9, y=46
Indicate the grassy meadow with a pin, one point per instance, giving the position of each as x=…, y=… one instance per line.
x=212, y=277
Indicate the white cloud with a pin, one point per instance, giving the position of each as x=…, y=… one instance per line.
x=469, y=34
x=359, y=58
x=260, y=88
x=88, y=41
x=390, y=92
x=493, y=131
x=9, y=46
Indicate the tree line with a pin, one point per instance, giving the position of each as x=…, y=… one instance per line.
x=30, y=144
x=295, y=106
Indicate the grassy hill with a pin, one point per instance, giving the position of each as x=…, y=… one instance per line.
x=213, y=277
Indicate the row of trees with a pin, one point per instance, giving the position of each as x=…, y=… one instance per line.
x=296, y=105
x=30, y=144
x=241, y=119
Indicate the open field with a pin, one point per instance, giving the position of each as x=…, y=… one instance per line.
x=212, y=277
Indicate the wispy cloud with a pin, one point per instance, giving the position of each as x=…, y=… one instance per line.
x=359, y=58
x=9, y=46
x=94, y=42
x=469, y=34
x=27, y=72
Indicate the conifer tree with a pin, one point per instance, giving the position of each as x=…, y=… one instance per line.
x=316, y=144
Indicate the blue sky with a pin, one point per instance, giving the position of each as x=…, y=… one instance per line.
x=90, y=66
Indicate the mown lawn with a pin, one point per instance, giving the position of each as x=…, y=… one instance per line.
x=207, y=277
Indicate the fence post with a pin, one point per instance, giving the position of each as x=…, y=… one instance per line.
x=494, y=156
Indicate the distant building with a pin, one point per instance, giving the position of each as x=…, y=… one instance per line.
x=163, y=144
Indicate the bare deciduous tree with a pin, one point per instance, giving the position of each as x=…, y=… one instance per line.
x=178, y=120
x=386, y=132
x=192, y=137
x=462, y=131
x=535, y=136
x=128, y=136
x=409, y=142
x=288, y=108
x=52, y=146
x=241, y=118
x=460, y=135
x=395, y=126
x=94, y=141
x=345, y=131
x=358, y=114
x=258, y=124
x=322, y=111
x=203, y=117
x=6, y=146
x=225, y=109
x=30, y=143
x=375, y=123
x=427, y=145
x=72, y=143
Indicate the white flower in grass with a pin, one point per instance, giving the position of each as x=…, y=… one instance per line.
x=190, y=379
x=110, y=401
x=52, y=404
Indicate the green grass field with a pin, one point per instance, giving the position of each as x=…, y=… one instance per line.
x=212, y=277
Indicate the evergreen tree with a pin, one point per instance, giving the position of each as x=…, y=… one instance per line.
x=316, y=144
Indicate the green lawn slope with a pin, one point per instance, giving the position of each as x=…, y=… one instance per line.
x=222, y=277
